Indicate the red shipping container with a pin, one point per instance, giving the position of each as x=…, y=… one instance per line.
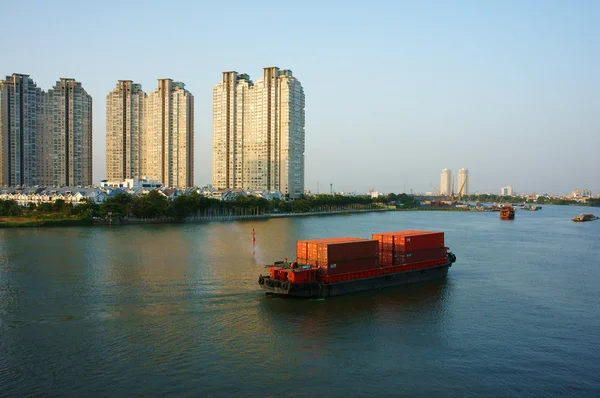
x=419, y=256
x=410, y=240
x=344, y=267
x=389, y=257
x=420, y=241
x=333, y=252
x=380, y=237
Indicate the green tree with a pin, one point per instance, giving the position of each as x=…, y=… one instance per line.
x=119, y=205
x=181, y=206
x=151, y=205
x=45, y=207
x=10, y=208
x=86, y=208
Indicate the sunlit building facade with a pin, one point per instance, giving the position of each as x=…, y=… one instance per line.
x=20, y=131
x=258, y=132
x=70, y=107
x=168, y=135
x=124, y=116
x=446, y=182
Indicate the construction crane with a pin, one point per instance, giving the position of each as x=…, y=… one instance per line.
x=436, y=190
x=460, y=191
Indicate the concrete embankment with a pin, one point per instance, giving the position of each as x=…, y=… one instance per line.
x=171, y=220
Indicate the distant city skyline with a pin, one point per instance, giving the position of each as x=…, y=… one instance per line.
x=398, y=90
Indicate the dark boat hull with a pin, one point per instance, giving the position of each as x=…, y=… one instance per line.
x=322, y=290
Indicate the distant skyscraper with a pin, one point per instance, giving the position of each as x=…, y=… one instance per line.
x=124, y=111
x=506, y=191
x=446, y=181
x=258, y=132
x=20, y=130
x=168, y=135
x=71, y=155
x=463, y=182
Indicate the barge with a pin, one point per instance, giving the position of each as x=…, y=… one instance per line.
x=584, y=217
x=337, y=266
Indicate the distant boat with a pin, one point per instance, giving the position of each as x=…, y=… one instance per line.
x=531, y=207
x=507, y=213
x=584, y=217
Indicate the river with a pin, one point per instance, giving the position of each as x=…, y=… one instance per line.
x=154, y=310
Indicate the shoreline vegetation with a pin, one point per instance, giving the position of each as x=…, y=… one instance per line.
x=155, y=208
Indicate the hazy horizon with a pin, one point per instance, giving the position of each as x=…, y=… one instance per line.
x=395, y=91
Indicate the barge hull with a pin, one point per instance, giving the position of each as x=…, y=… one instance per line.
x=322, y=290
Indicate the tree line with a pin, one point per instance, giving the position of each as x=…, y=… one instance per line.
x=156, y=205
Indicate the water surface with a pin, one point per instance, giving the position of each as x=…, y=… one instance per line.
x=176, y=309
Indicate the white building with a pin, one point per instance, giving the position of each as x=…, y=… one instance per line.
x=446, y=182
x=168, y=135
x=258, y=133
x=131, y=183
x=463, y=182
x=506, y=191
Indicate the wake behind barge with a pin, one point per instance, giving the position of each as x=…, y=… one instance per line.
x=333, y=267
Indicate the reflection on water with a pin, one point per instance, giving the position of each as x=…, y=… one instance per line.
x=368, y=317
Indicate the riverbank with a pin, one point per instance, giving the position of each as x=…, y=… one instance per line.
x=224, y=218
x=26, y=222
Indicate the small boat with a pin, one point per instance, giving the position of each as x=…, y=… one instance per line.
x=584, y=217
x=507, y=213
x=531, y=207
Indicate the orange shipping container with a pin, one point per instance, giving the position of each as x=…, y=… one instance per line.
x=301, y=249
x=306, y=261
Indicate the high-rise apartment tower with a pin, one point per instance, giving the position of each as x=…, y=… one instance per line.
x=71, y=126
x=446, y=182
x=258, y=132
x=46, y=138
x=124, y=116
x=20, y=131
x=168, y=135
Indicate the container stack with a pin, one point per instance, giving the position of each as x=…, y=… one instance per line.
x=339, y=255
x=409, y=247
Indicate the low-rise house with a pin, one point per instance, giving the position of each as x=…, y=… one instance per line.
x=170, y=193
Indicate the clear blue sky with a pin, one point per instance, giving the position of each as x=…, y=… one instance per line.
x=395, y=91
